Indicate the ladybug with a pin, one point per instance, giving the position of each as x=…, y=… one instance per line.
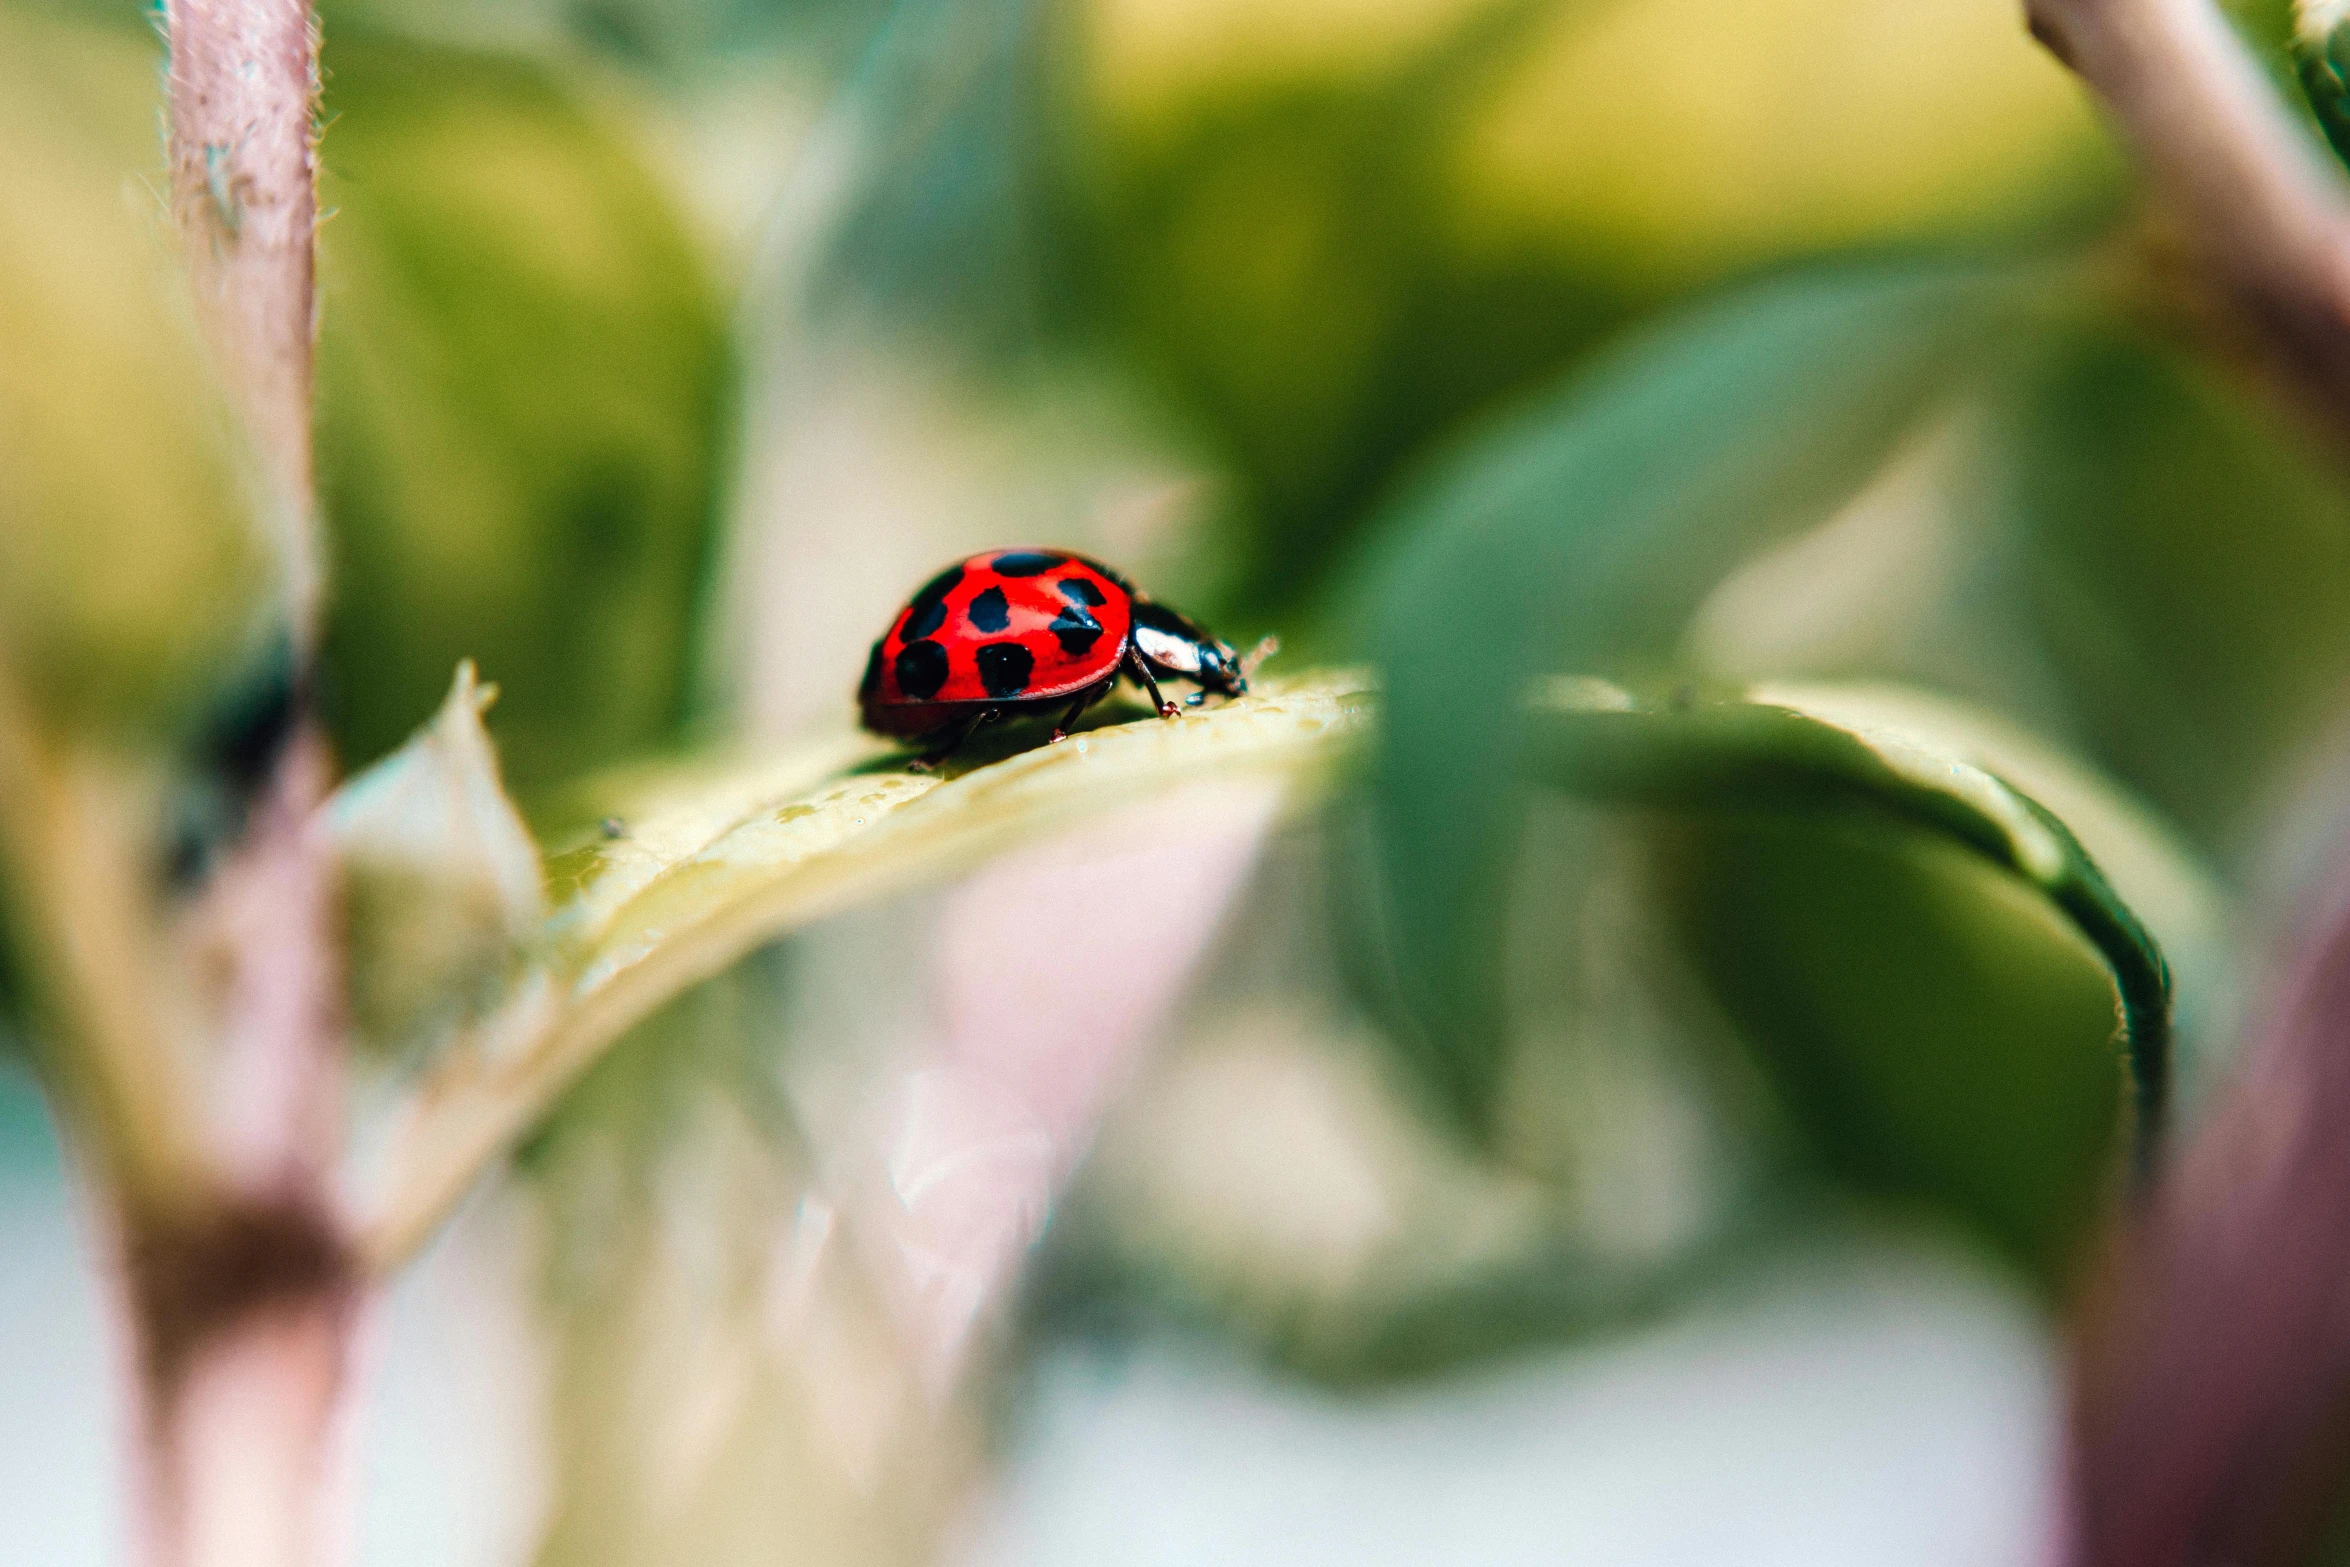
x=1019, y=631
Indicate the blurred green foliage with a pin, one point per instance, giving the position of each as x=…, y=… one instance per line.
x=1501, y=332
x=1931, y=1025
x=2183, y=556
x=1336, y=234
x=955, y=234
x=1843, y=884
x=1580, y=536
x=128, y=577
x=523, y=378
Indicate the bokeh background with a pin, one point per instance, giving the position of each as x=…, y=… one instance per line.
x=1603, y=1187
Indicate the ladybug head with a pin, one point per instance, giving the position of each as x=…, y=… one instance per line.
x=1175, y=646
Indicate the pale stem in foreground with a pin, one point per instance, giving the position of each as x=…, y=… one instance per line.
x=243, y=1298
x=2264, y=209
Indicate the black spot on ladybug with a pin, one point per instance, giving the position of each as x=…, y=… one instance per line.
x=1080, y=590
x=1004, y=668
x=990, y=611
x=929, y=604
x=1077, y=630
x=1024, y=563
x=926, y=620
x=922, y=669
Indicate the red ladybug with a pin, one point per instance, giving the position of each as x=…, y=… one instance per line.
x=1012, y=632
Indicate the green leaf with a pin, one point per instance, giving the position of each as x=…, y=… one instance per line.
x=2182, y=557
x=442, y=885
x=1927, y=963
x=129, y=572
x=522, y=381
x=1337, y=234
x=1689, y=753
x=1581, y=535
x=2321, y=51
x=719, y=1351
x=686, y=870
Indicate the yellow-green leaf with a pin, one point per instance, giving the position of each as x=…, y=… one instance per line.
x=692, y=869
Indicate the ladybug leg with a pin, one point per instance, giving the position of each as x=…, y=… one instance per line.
x=1085, y=699
x=1061, y=724
x=1142, y=672
x=928, y=761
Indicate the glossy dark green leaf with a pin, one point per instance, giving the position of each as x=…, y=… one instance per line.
x=1929, y=1024
x=522, y=382
x=1950, y=996
x=1579, y=535
x=1690, y=753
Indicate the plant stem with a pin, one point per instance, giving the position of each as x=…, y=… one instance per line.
x=2268, y=215
x=244, y=193
x=242, y=1328
x=2211, y=1416
x=243, y=1303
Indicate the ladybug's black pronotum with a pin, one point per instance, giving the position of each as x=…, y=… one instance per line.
x=1019, y=631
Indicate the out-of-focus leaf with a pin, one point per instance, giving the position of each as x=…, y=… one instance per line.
x=728, y=1385
x=93, y=945
x=1929, y=1023
x=1335, y=229
x=522, y=378
x=1580, y=535
x=128, y=574
x=681, y=39
x=790, y=1335
x=133, y=591
x=2321, y=48
x=441, y=878
x=950, y=228
x=1684, y=137
x=2161, y=880
x=1885, y=918
x=2184, y=557
x=1599, y=741
x=1267, y=1181
x=691, y=872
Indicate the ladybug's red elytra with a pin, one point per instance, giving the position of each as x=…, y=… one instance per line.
x=1019, y=631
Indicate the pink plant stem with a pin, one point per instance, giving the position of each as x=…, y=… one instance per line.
x=242, y=1325
x=244, y=193
x=2265, y=212
x=243, y=1301
x=242, y=1298
x=2212, y=1408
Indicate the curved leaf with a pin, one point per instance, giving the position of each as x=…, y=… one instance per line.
x=442, y=888
x=1583, y=534
x=675, y=888
x=1600, y=741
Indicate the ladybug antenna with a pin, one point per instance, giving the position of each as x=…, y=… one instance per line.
x=1258, y=654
